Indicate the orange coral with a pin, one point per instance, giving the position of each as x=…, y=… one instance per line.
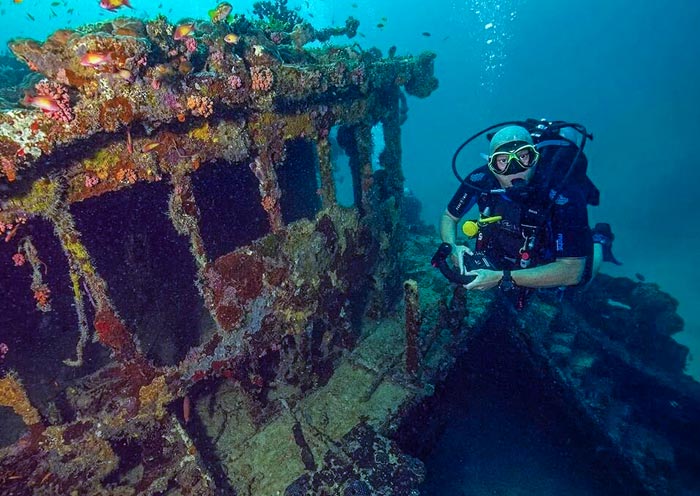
x=200, y=105
x=127, y=175
x=268, y=203
x=155, y=396
x=41, y=295
x=8, y=167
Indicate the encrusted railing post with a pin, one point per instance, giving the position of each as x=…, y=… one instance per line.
x=390, y=157
x=363, y=143
x=269, y=190
x=413, y=321
x=185, y=215
x=325, y=166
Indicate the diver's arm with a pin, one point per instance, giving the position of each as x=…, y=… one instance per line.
x=562, y=272
x=448, y=228
x=448, y=234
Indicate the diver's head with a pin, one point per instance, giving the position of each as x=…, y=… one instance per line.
x=512, y=155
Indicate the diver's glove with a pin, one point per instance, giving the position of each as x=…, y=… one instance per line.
x=603, y=234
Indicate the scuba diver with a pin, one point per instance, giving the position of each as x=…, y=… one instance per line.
x=533, y=227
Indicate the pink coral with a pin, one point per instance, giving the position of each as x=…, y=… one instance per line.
x=3, y=350
x=170, y=100
x=216, y=57
x=91, y=180
x=59, y=95
x=261, y=77
x=235, y=81
x=18, y=259
x=190, y=44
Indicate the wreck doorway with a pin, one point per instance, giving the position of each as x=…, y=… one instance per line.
x=494, y=426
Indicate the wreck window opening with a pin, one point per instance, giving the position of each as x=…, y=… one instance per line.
x=378, y=145
x=231, y=213
x=298, y=179
x=38, y=342
x=148, y=267
x=342, y=174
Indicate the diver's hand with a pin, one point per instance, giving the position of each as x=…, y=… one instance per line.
x=485, y=279
x=458, y=252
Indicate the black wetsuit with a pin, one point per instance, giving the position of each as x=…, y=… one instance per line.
x=533, y=224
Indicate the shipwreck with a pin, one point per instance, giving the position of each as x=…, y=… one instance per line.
x=189, y=308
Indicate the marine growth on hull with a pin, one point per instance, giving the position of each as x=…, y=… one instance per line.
x=168, y=206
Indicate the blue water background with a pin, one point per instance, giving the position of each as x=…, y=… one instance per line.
x=627, y=70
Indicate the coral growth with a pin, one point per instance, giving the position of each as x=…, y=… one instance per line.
x=13, y=395
x=41, y=295
x=126, y=175
x=10, y=229
x=201, y=106
x=154, y=397
x=116, y=113
x=261, y=77
x=39, y=288
x=234, y=81
x=112, y=332
x=8, y=167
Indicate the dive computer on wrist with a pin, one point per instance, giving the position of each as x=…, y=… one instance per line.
x=507, y=282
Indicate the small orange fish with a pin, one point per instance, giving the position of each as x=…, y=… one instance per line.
x=150, y=146
x=18, y=1
x=183, y=31
x=45, y=103
x=113, y=5
x=186, y=409
x=231, y=38
x=95, y=59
